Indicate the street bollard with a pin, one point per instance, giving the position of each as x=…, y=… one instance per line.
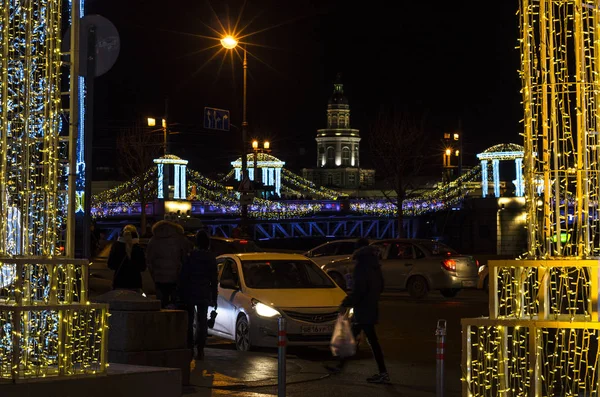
x=281, y=368
x=440, y=334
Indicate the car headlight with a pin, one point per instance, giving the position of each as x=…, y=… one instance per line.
x=351, y=312
x=480, y=269
x=264, y=310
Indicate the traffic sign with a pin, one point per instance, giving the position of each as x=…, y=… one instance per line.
x=245, y=185
x=216, y=119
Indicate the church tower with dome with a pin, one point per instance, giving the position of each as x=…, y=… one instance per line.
x=338, y=155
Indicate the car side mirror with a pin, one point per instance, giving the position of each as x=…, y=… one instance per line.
x=229, y=283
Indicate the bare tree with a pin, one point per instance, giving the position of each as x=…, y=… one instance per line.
x=138, y=147
x=397, y=141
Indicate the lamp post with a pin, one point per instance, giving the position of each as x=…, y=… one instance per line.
x=229, y=43
x=164, y=127
x=265, y=149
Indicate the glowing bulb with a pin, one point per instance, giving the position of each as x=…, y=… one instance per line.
x=229, y=42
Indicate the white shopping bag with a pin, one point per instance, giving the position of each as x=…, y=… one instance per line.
x=342, y=341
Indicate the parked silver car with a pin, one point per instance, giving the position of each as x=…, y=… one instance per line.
x=418, y=266
x=332, y=251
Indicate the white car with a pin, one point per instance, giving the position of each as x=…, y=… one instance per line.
x=255, y=289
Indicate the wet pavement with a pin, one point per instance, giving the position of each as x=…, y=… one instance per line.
x=406, y=333
x=227, y=372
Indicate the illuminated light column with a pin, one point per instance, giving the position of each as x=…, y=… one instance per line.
x=176, y=191
x=271, y=176
x=49, y=329
x=278, y=180
x=161, y=187
x=520, y=185
x=183, y=182
x=238, y=174
x=544, y=324
x=484, y=178
x=496, y=176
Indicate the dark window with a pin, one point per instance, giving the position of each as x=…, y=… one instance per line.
x=346, y=156
x=330, y=156
x=400, y=251
x=437, y=249
x=285, y=274
x=229, y=271
x=345, y=248
x=326, y=250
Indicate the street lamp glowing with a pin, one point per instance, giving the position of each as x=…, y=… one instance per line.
x=255, y=144
x=151, y=122
x=267, y=145
x=448, y=152
x=229, y=42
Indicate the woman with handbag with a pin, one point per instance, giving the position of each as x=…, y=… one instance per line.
x=127, y=259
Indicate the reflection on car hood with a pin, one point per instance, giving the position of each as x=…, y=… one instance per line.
x=299, y=297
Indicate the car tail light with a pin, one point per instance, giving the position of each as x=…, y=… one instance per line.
x=243, y=241
x=449, y=264
x=477, y=263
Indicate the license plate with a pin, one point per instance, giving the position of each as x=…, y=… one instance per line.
x=317, y=329
x=468, y=283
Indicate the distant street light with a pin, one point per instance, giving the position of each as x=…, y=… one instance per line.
x=229, y=43
x=164, y=127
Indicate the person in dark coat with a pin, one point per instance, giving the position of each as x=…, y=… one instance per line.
x=165, y=253
x=198, y=289
x=364, y=299
x=127, y=259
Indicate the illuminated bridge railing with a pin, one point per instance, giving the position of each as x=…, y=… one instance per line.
x=47, y=326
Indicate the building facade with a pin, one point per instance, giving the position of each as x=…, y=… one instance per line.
x=338, y=148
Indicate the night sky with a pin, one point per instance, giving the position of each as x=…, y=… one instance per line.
x=455, y=62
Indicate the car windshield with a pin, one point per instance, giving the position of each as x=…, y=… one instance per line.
x=286, y=274
x=437, y=249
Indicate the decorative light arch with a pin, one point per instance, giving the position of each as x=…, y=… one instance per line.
x=497, y=153
x=269, y=165
x=179, y=173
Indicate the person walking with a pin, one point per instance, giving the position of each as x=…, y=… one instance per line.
x=126, y=258
x=166, y=251
x=198, y=289
x=364, y=298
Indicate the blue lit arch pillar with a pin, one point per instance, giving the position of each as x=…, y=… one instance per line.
x=519, y=183
x=496, y=176
x=484, y=178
